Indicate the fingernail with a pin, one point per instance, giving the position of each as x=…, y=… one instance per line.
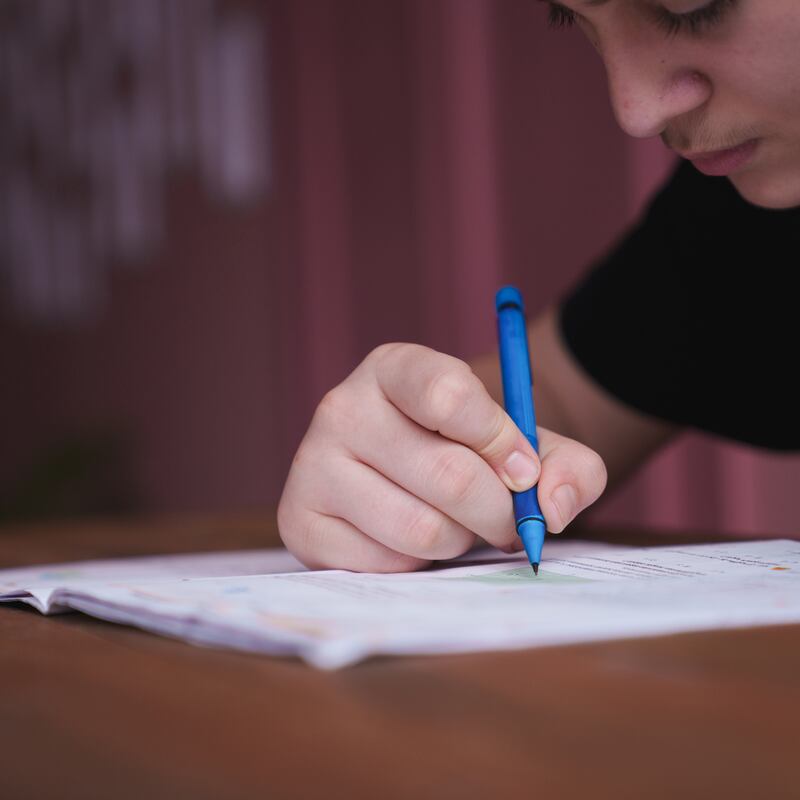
x=566, y=502
x=517, y=546
x=521, y=470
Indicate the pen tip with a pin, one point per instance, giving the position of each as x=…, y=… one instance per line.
x=535, y=569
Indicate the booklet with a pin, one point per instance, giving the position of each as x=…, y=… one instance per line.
x=266, y=602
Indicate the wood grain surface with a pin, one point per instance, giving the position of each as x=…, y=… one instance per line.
x=94, y=710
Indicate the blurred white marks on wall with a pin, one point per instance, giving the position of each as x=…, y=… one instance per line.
x=100, y=101
x=241, y=72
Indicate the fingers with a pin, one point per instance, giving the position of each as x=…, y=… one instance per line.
x=573, y=477
x=389, y=514
x=410, y=458
x=321, y=541
x=443, y=395
x=445, y=475
x=362, y=520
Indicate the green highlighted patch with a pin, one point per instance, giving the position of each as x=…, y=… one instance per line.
x=520, y=575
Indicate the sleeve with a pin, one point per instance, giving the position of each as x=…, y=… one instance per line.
x=691, y=318
x=627, y=322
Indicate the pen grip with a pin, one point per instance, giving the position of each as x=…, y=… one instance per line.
x=526, y=505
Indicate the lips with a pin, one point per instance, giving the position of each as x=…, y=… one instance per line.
x=724, y=162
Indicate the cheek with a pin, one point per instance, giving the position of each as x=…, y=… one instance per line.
x=761, y=73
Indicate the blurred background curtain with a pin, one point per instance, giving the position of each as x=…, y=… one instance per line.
x=395, y=162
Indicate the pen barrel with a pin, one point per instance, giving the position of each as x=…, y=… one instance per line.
x=515, y=365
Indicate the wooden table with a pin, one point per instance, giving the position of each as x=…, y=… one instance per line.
x=94, y=710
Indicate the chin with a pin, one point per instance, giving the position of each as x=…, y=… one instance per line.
x=776, y=189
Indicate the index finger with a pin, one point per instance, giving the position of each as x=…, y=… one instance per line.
x=442, y=394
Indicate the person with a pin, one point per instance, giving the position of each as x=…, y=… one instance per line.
x=684, y=324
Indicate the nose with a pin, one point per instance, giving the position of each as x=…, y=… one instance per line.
x=648, y=91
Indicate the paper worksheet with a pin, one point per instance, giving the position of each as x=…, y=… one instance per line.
x=264, y=601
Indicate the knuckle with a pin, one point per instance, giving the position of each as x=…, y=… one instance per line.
x=596, y=468
x=382, y=351
x=303, y=456
x=284, y=518
x=497, y=438
x=455, y=478
x=309, y=540
x=299, y=532
x=426, y=532
x=334, y=410
x=587, y=473
x=448, y=393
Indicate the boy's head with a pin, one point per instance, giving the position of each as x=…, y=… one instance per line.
x=706, y=76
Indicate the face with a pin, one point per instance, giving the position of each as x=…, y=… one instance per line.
x=718, y=81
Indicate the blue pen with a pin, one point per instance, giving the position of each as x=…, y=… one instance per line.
x=515, y=365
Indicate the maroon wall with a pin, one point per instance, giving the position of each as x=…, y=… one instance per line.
x=423, y=152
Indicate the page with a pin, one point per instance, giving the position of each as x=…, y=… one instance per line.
x=335, y=618
x=37, y=584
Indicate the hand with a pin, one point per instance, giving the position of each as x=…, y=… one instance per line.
x=410, y=458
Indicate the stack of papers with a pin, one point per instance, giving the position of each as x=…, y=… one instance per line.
x=266, y=602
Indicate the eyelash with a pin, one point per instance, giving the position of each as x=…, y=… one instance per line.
x=560, y=17
x=693, y=23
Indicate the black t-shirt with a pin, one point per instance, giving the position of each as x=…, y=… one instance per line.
x=693, y=317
